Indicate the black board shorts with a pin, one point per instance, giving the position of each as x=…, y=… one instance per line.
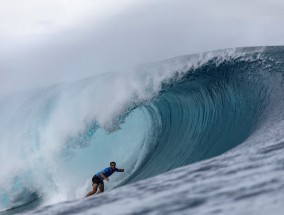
x=97, y=180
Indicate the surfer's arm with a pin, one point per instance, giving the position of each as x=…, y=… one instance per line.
x=104, y=177
x=119, y=170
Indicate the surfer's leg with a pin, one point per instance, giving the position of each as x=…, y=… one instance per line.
x=95, y=187
x=101, y=188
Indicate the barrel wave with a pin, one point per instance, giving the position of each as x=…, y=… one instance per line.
x=162, y=116
x=204, y=115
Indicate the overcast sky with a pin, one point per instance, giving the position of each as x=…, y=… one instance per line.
x=48, y=41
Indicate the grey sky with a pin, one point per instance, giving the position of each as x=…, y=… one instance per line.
x=114, y=39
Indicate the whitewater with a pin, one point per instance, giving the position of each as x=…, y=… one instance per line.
x=196, y=134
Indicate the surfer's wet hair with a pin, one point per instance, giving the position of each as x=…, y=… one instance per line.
x=112, y=163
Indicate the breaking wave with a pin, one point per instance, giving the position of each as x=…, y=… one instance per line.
x=160, y=117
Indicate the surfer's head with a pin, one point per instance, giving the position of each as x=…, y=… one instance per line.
x=112, y=164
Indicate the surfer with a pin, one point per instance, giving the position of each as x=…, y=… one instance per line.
x=99, y=177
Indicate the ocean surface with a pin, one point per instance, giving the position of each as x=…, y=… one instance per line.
x=196, y=134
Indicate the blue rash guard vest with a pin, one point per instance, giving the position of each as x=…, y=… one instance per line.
x=107, y=172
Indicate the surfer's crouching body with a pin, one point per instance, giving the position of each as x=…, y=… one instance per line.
x=99, y=177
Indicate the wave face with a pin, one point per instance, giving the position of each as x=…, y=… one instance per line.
x=163, y=116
